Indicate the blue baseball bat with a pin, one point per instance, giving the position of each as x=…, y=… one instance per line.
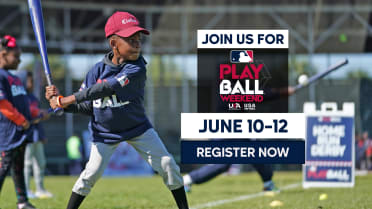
x=321, y=75
x=36, y=15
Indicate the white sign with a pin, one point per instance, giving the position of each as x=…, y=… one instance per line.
x=243, y=39
x=243, y=125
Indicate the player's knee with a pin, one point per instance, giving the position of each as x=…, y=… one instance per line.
x=86, y=181
x=171, y=173
x=28, y=163
x=168, y=164
x=82, y=187
x=91, y=174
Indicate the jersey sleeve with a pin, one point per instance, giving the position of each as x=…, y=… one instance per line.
x=124, y=78
x=6, y=107
x=85, y=108
x=96, y=91
x=10, y=112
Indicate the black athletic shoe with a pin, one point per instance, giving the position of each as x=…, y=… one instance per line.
x=25, y=205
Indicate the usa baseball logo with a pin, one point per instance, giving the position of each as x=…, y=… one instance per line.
x=241, y=56
x=123, y=80
x=82, y=87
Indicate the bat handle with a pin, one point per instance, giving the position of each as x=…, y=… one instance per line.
x=58, y=111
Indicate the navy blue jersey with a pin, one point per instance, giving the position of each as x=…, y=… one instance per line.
x=38, y=131
x=120, y=116
x=12, y=90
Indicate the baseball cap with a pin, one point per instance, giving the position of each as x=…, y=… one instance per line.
x=123, y=24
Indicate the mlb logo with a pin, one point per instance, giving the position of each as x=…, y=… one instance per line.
x=241, y=56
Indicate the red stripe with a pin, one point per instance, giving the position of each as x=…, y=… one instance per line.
x=9, y=111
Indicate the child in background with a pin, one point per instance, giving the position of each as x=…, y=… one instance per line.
x=35, y=157
x=14, y=120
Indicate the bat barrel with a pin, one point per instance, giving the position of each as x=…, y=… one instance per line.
x=322, y=74
x=36, y=15
x=49, y=80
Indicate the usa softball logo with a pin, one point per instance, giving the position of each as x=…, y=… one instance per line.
x=241, y=56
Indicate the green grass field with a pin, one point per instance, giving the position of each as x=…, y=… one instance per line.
x=150, y=193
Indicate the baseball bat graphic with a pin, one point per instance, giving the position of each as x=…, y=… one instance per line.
x=36, y=15
x=321, y=75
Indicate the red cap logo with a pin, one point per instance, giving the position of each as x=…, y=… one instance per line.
x=123, y=24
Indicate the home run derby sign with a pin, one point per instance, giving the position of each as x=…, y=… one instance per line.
x=329, y=146
x=242, y=75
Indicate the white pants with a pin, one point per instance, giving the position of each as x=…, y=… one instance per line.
x=35, y=161
x=148, y=145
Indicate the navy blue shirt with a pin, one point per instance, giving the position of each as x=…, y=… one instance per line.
x=11, y=89
x=120, y=116
x=38, y=133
